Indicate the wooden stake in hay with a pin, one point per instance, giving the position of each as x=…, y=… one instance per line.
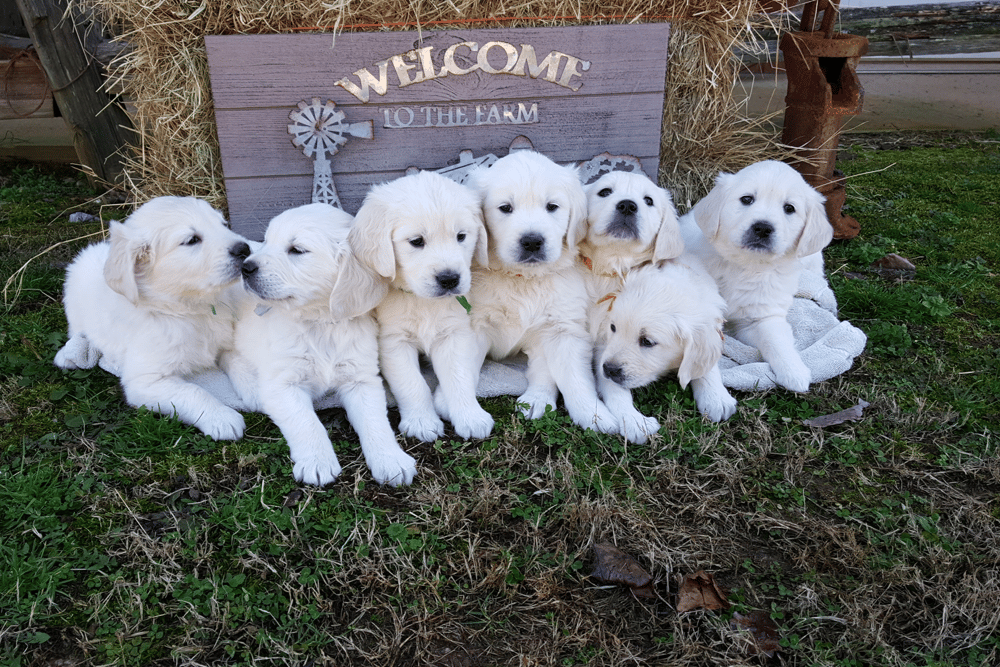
x=164, y=74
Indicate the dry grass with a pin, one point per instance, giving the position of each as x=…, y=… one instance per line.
x=164, y=74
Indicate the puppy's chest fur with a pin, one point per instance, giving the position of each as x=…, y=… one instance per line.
x=755, y=292
x=419, y=321
x=316, y=354
x=507, y=309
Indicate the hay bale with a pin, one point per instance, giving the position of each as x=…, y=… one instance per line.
x=164, y=74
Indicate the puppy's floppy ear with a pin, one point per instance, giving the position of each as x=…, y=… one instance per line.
x=577, y=207
x=669, y=243
x=481, y=255
x=817, y=232
x=702, y=350
x=357, y=290
x=126, y=257
x=370, y=237
x=708, y=211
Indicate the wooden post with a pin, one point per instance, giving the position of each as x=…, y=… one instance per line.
x=99, y=125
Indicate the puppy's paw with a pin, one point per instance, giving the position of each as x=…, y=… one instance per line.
x=77, y=353
x=719, y=407
x=317, y=470
x=533, y=402
x=426, y=428
x=637, y=427
x=392, y=466
x=222, y=424
x=793, y=375
x=602, y=421
x=473, y=423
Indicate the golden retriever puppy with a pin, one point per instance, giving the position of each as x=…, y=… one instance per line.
x=630, y=221
x=752, y=232
x=422, y=232
x=154, y=305
x=532, y=298
x=666, y=317
x=306, y=330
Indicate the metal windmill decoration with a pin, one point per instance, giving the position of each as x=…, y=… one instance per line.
x=319, y=130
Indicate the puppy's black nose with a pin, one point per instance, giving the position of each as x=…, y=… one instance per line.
x=614, y=372
x=532, y=242
x=447, y=280
x=627, y=207
x=240, y=250
x=762, y=230
x=249, y=268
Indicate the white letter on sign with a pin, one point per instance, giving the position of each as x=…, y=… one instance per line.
x=484, y=62
x=450, y=66
x=379, y=85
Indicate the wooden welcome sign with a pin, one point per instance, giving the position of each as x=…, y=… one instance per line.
x=321, y=118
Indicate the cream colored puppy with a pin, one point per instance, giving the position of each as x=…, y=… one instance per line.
x=307, y=330
x=752, y=232
x=532, y=298
x=154, y=304
x=666, y=317
x=630, y=221
x=423, y=232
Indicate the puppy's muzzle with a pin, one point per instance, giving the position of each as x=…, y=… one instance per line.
x=532, y=248
x=624, y=224
x=614, y=372
x=447, y=282
x=759, y=236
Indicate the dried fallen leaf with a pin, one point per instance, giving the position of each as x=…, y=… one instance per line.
x=853, y=413
x=614, y=566
x=762, y=629
x=894, y=262
x=700, y=591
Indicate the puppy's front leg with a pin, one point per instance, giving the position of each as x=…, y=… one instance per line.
x=364, y=403
x=400, y=365
x=635, y=426
x=542, y=391
x=457, y=369
x=711, y=396
x=170, y=395
x=291, y=409
x=568, y=358
x=773, y=337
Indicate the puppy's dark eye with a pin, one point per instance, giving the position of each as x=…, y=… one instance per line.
x=613, y=328
x=550, y=207
x=606, y=192
x=193, y=240
x=295, y=250
x=460, y=237
x=506, y=208
x=648, y=200
x=417, y=242
x=789, y=209
x=645, y=342
x=746, y=200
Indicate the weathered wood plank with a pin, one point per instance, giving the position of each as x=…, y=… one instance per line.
x=24, y=92
x=630, y=134
x=250, y=71
x=98, y=126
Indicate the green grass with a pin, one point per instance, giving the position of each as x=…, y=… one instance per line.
x=130, y=539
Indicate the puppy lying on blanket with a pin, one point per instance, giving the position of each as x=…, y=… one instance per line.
x=154, y=305
x=752, y=232
x=532, y=297
x=305, y=330
x=422, y=232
